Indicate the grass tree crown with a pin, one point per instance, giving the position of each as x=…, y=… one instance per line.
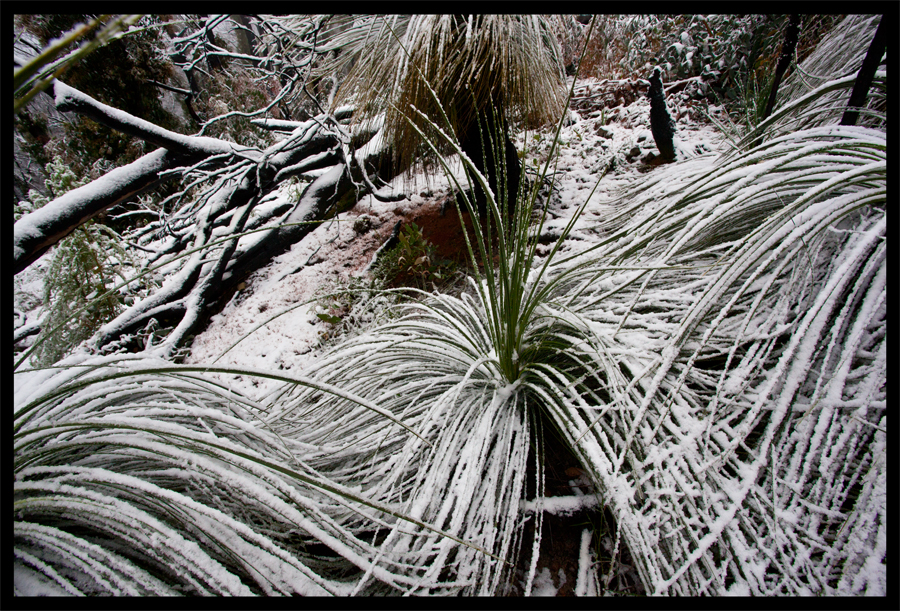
x=473, y=62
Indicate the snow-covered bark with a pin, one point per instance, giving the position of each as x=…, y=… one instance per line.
x=37, y=232
x=69, y=99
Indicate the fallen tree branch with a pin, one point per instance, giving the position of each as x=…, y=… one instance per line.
x=69, y=99
x=38, y=231
x=232, y=181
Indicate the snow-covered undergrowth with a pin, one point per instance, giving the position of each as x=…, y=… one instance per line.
x=710, y=341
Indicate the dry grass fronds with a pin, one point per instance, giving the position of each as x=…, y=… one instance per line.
x=512, y=62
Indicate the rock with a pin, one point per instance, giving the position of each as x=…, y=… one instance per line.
x=362, y=224
x=603, y=132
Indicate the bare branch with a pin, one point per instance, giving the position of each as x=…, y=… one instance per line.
x=72, y=100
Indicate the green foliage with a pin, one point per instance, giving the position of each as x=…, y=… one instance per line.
x=60, y=179
x=735, y=54
x=82, y=268
x=335, y=304
x=329, y=318
x=354, y=303
x=414, y=262
x=346, y=306
x=725, y=47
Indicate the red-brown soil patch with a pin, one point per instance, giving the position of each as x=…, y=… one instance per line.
x=445, y=231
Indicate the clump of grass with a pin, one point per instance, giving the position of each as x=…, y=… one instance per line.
x=478, y=375
x=396, y=62
x=349, y=305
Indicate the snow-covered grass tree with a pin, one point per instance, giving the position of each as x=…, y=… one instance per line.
x=716, y=362
x=482, y=69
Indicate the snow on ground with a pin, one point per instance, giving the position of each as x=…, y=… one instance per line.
x=544, y=582
x=617, y=139
x=332, y=253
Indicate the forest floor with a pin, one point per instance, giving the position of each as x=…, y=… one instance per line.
x=608, y=127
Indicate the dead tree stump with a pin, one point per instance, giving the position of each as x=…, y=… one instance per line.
x=661, y=123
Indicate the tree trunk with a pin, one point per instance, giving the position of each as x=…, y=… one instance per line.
x=787, y=54
x=865, y=76
x=661, y=124
x=505, y=191
x=784, y=60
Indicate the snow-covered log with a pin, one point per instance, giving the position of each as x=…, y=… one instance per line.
x=36, y=232
x=69, y=99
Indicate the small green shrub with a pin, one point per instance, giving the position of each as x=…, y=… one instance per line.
x=82, y=267
x=349, y=305
x=60, y=179
x=414, y=262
